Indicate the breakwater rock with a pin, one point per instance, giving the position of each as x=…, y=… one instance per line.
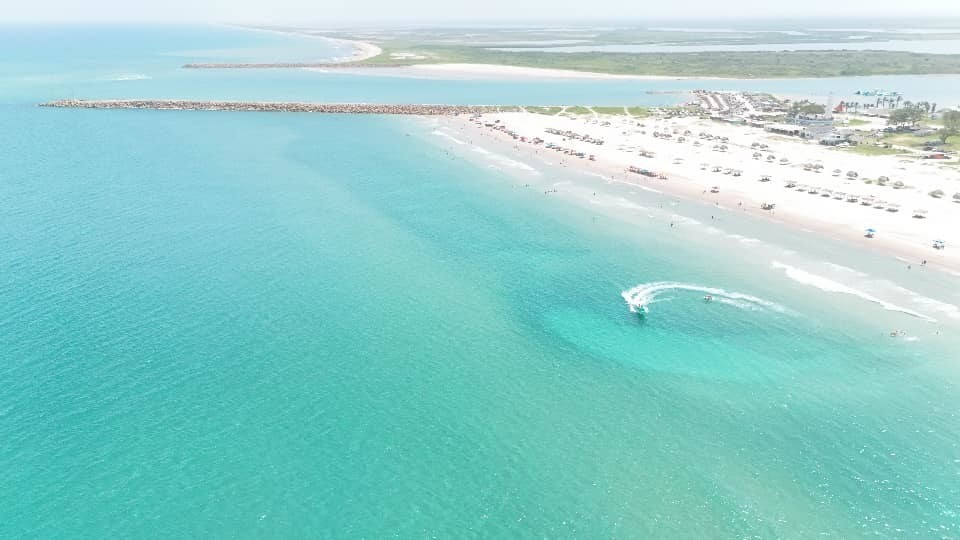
x=292, y=65
x=328, y=108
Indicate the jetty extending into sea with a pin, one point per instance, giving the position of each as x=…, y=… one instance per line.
x=292, y=65
x=273, y=106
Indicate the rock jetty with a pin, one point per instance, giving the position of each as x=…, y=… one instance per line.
x=328, y=108
x=293, y=65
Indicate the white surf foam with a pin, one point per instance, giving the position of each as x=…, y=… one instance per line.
x=504, y=160
x=683, y=220
x=651, y=293
x=446, y=135
x=828, y=285
x=931, y=304
x=846, y=269
x=131, y=77
x=624, y=203
x=743, y=239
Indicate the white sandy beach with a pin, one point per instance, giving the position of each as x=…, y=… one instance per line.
x=496, y=70
x=362, y=50
x=689, y=169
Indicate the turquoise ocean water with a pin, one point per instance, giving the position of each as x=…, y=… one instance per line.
x=267, y=325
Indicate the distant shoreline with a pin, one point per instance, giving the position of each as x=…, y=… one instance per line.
x=362, y=50
x=413, y=69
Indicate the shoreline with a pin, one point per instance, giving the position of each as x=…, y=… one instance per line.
x=904, y=245
x=485, y=70
x=899, y=234
x=362, y=50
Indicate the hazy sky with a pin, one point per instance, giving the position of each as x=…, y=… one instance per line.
x=427, y=11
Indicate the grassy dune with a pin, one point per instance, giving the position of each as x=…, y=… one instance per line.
x=714, y=64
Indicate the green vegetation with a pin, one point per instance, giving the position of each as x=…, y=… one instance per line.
x=853, y=122
x=871, y=150
x=951, y=125
x=640, y=112
x=749, y=64
x=910, y=140
x=545, y=110
x=908, y=115
x=806, y=107
x=578, y=110
x=618, y=111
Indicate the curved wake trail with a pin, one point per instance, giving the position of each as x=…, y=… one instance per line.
x=650, y=293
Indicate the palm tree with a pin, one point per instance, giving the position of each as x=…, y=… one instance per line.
x=898, y=100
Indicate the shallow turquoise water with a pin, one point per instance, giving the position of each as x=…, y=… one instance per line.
x=291, y=325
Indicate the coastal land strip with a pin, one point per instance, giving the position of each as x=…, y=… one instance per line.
x=731, y=65
x=424, y=50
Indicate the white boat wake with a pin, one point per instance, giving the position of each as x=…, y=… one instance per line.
x=642, y=296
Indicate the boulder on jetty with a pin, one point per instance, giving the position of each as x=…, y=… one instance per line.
x=328, y=108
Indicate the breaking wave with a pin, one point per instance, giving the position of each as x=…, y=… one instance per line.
x=825, y=284
x=131, y=77
x=446, y=135
x=504, y=160
x=651, y=293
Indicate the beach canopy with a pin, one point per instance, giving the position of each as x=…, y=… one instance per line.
x=871, y=230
